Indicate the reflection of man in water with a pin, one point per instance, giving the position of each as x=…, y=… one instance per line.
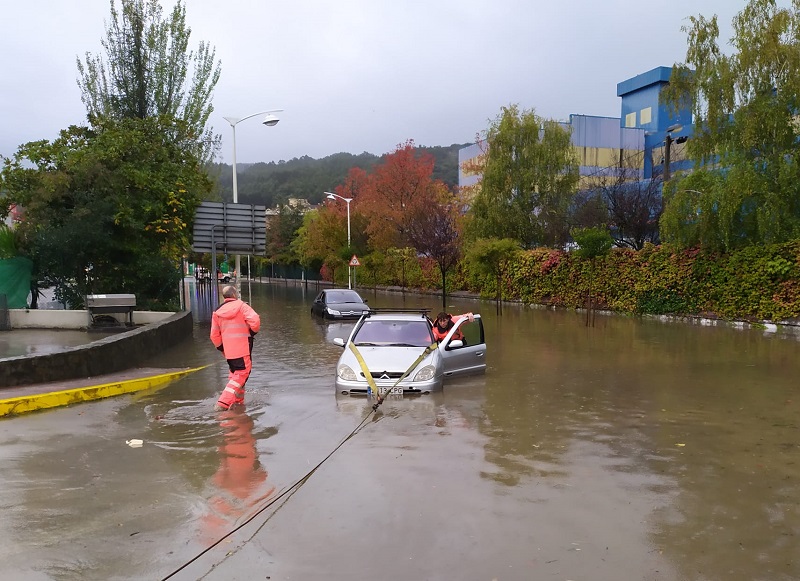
x=240, y=476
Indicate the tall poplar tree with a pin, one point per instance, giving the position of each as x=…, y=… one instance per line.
x=530, y=175
x=149, y=71
x=745, y=188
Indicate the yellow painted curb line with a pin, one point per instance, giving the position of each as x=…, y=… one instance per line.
x=40, y=401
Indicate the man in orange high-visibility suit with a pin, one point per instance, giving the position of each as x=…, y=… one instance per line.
x=233, y=326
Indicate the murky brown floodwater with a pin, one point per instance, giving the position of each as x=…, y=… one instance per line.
x=631, y=450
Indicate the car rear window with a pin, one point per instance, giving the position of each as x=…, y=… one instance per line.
x=343, y=297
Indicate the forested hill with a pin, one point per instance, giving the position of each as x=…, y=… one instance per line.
x=306, y=177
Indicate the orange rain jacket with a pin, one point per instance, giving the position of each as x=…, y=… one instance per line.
x=232, y=325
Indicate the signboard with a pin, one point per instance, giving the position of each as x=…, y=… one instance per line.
x=230, y=228
x=354, y=261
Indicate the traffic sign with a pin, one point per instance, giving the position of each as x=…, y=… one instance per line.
x=354, y=261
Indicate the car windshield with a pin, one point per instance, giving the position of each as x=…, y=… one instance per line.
x=394, y=333
x=343, y=296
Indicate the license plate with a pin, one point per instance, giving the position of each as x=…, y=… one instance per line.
x=396, y=390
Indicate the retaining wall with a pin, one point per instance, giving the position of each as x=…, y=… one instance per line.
x=108, y=355
x=73, y=319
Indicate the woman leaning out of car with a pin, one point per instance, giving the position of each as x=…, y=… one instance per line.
x=445, y=321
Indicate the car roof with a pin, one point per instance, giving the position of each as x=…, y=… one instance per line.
x=341, y=292
x=397, y=315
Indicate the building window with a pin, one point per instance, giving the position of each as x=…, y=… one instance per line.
x=646, y=115
x=630, y=119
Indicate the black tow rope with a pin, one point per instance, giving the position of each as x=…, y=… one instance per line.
x=295, y=487
x=291, y=489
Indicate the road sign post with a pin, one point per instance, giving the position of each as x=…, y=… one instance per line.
x=354, y=262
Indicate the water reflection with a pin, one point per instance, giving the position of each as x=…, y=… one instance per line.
x=201, y=299
x=330, y=330
x=239, y=482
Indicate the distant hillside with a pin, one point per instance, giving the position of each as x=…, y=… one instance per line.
x=306, y=177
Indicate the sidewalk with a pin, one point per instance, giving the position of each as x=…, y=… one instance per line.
x=28, y=398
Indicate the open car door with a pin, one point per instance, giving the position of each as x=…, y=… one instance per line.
x=467, y=357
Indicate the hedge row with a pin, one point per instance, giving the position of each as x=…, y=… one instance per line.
x=759, y=283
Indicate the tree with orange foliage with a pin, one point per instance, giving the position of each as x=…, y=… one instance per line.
x=398, y=190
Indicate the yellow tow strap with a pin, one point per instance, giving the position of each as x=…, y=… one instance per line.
x=364, y=369
x=422, y=356
x=368, y=375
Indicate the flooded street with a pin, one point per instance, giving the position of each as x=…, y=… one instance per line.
x=631, y=450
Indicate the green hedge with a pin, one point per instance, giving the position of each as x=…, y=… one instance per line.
x=756, y=283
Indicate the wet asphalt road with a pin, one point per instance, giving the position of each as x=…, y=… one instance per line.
x=634, y=450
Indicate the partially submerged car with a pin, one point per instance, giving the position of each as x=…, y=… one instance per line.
x=397, y=349
x=339, y=303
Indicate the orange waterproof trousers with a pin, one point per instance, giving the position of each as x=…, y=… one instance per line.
x=239, y=371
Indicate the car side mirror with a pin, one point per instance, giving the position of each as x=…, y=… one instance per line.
x=339, y=341
x=455, y=344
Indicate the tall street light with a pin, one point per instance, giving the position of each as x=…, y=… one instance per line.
x=667, y=142
x=331, y=196
x=270, y=120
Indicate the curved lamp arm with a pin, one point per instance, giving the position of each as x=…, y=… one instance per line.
x=234, y=120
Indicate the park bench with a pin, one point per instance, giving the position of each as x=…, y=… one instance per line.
x=105, y=304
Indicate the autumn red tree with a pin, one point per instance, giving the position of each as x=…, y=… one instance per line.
x=398, y=190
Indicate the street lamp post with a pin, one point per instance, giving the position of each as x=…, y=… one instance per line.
x=667, y=142
x=270, y=120
x=331, y=196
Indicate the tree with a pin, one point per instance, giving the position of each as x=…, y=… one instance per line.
x=746, y=185
x=592, y=243
x=320, y=240
x=528, y=181
x=619, y=197
x=281, y=233
x=396, y=191
x=492, y=256
x=108, y=209
x=146, y=73
x=402, y=256
x=435, y=234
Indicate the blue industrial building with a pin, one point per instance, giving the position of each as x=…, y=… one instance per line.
x=637, y=142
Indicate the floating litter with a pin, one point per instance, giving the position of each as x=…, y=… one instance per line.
x=134, y=443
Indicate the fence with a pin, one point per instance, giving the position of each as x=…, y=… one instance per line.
x=5, y=318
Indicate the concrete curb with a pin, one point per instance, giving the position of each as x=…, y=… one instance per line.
x=39, y=401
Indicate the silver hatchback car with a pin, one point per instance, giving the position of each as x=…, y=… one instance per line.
x=398, y=351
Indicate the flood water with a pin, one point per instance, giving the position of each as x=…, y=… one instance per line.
x=634, y=449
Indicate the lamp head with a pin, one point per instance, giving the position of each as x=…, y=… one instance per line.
x=674, y=128
x=330, y=196
x=270, y=120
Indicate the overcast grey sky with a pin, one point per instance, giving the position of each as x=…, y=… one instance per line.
x=362, y=75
